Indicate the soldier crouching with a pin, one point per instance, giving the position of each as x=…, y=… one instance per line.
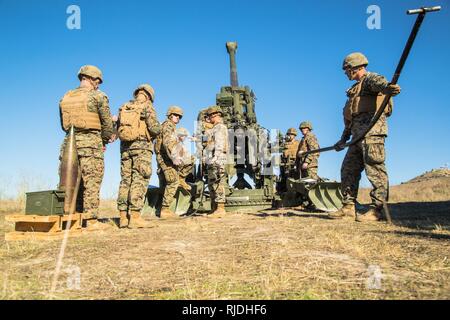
x=168, y=171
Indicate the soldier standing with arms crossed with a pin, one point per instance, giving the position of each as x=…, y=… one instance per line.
x=364, y=99
x=137, y=128
x=87, y=110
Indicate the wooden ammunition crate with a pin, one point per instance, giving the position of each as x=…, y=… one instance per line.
x=43, y=227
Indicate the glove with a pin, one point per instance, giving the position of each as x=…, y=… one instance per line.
x=392, y=89
x=339, y=146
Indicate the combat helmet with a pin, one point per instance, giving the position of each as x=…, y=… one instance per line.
x=90, y=71
x=214, y=109
x=305, y=124
x=182, y=132
x=292, y=131
x=174, y=110
x=147, y=88
x=355, y=59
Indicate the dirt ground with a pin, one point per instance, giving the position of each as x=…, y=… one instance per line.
x=271, y=254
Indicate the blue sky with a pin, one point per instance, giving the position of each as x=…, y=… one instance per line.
x=290, y=53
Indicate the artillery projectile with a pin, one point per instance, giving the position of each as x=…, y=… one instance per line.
x=70, y=174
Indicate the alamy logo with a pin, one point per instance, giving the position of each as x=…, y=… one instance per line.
x=74, y=20
x=374, y=20
x=73, y=278
x=375, y=276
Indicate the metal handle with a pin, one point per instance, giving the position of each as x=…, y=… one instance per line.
x=423, y=10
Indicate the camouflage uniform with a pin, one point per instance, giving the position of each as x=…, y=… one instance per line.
x=169, y=174
x=288, y=158
x=368, y=154
x=216, y=158
x=309, y=142
x=136, y=163
x=89, y=143
x=201, y=137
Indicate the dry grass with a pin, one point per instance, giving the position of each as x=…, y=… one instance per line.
x=273, y=254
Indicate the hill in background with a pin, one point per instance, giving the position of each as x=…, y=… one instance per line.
x=431, y=186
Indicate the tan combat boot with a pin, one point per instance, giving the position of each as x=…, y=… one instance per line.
x=95, y=225
x=219, y=211
x=373, y=214
x=347, y=211
x=166, y=213
x=123, y=222
x=136, y=221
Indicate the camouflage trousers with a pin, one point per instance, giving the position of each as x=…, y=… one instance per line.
x=169, y=180
x=88, y=198
x=368, y=155
x=310, y=173
x=135, y=170
x=91, y=165
x=217, y=181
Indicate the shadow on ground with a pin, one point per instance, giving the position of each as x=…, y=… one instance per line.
x=421, y=215
x=415, y=215
x=291, y=212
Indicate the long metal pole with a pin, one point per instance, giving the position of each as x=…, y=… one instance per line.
x=394, y=80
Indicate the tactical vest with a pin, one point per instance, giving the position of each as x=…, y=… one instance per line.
x=74, y=111
x=357, y=103
x=290, y=149
x=132, y=122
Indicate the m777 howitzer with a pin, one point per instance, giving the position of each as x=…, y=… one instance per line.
x=249, y=166
x=252, y=183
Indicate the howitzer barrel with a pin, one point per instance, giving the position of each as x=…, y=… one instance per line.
x=231, y=48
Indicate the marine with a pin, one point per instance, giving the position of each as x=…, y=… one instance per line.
x=168, y=172
x=137, y=128
x=216, y=158
x=289, y=154
x=363, y=100
x=308, y=165
x=87, y=109
x=200, y=138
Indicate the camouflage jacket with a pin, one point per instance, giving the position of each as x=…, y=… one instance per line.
x=97, y=102
x=371, y=85
x=309, y=142
x=217, y=145
x=165, y=142
x=153, y=127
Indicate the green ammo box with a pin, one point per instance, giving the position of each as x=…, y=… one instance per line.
x=45, y=203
